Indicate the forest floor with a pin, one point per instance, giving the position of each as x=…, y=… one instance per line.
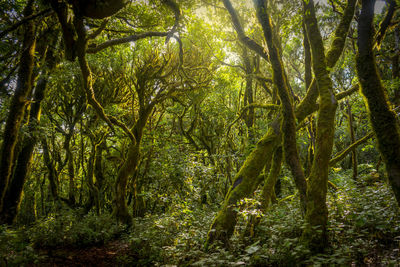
x=110, y=254
x=364, y=230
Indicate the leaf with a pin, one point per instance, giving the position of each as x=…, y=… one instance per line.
x=252, y=249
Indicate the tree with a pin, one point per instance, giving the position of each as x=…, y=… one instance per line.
x=380, y=114
x=245, y=182
x=18, y=103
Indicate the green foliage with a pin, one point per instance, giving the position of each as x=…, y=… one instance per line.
x=15, y=249
x=71, y=229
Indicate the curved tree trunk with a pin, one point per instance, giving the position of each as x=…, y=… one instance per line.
x=316, y=209
x=129, y=167
x=269, y=184
x=382, y=118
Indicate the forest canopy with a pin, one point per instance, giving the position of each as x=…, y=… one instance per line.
x=199, y=132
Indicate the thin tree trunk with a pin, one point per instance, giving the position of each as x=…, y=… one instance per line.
x=249, y=99
x=353, y=140
x=51, y=168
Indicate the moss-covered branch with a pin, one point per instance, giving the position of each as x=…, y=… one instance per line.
x=333, y=55
x=341, y=155
x=243, y=185
x=250, y=43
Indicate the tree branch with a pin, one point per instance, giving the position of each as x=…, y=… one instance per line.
x=46, y=12
x=250, y=43
x=341, y=155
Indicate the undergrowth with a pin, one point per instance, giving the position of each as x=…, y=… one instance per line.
x=364, y=229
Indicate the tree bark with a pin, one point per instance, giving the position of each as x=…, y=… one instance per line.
x=382, y=118
x=13, y=195
x=51, y=168
x=249, y=99
x=129, y=167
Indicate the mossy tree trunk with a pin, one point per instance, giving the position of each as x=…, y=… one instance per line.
x=382, y=118
x=288, y=123
x=52, y=172
x=396, y=64
x=130, y=166
x=225, y=221
x=18, y=103
x=13, y=197
x=244, y=184
x=314, y=235
x=249, y=98
x=267, y=192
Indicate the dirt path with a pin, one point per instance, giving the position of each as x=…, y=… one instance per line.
x=114, y=253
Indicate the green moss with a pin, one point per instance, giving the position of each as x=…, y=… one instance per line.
x=382, y=118
x=245, y=183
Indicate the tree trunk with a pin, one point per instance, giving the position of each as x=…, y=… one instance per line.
x=225, y=221
x=93, y=190
x=13, y=196
x=316, y=209
x=18, y=103
x=244, y=184
x=129, y=167
x=353, y=140
x=52, y=170
x=288, y=123
x=249, y=99
x=396, y=65
x=269, y=184
x=382, y=118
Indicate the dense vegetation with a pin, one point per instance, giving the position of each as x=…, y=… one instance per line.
x=199, y=133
